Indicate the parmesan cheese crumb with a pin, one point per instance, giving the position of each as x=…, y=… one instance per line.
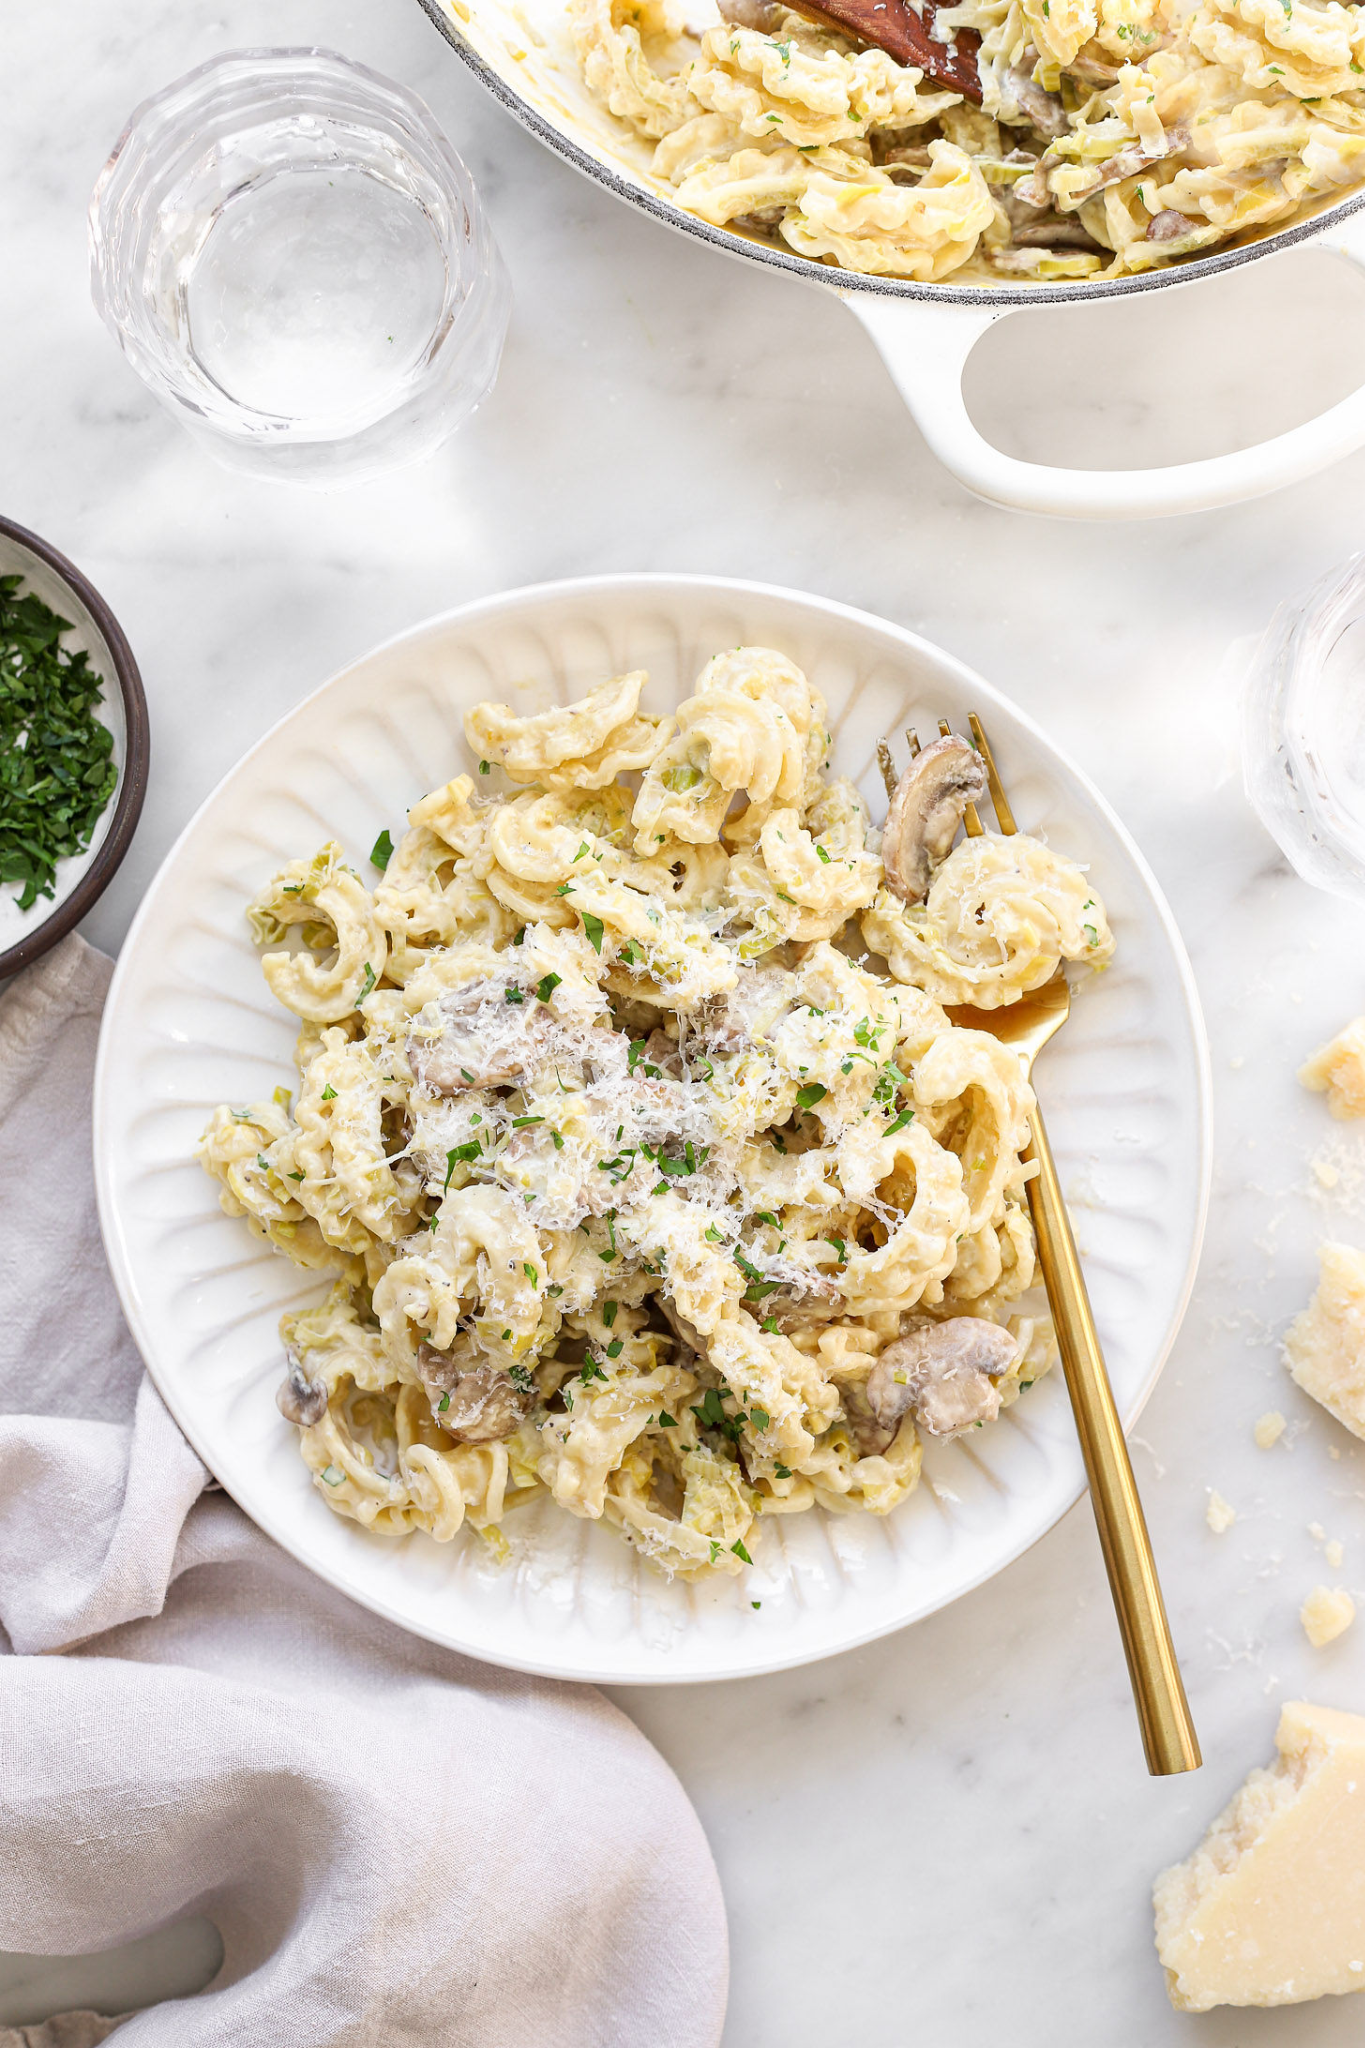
x=1269, y=1429
x=1337, y=1070
x=1219, y=1514
x=1327, y=1613
x=1334, y=1553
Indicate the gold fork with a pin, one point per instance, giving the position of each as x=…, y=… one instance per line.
x=1168, y=1735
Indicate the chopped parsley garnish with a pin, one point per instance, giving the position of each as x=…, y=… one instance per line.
x=57, y=771
x=591, y=1370
x=518, y=935
x=564, y=889
x=293, y=1176
x=757, y=1286
x=381, y=853
x=457, y=1152
x=740, y=1552
x=329, y=1093
x=615, y=1347
x=519, y=1123
x=582, y=850
x=907, y=1116
x=609, y=1309
x=263, y=1162
x=520, y=1376
x=813, y=1092
x=709, y=1411
x=593, y=927
x=823, y=855
x=530, y=1273
x=443, y=1404
x=635, y=1055
x=556, y=1141
x=839, y=1253
x=781, y=1472
x=759, y=1417
x=547, y=986
x=666, y=1421
x=513, y=995
x=367, y=982
x=483, y=767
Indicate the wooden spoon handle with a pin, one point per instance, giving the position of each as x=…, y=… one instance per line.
x=906, y=34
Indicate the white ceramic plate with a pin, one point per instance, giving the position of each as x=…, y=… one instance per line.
x=190, y=1023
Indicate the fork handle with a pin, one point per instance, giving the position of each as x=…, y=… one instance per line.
x=1168, y=1734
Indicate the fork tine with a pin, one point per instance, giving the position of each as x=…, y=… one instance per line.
x=1004, y=814
x=887, y=766
x=912, y=740
x=970, y=817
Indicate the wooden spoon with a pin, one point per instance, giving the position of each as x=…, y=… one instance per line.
x=905, y=32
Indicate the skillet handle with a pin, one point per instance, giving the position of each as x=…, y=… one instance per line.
x=926, y=346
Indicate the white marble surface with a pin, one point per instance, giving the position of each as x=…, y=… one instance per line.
x=948, y=1837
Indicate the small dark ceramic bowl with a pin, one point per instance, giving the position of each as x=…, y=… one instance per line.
x=82, y=880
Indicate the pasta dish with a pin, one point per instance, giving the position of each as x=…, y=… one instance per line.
x=1113, y=136
x=651, y=1171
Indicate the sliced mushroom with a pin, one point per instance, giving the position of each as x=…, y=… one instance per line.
x=761, y=223
x=661, y=1051
x=1055, y=231
x=1044, y=109
x=1169, y=225
x=474, y=1403
x=299, y=1399
x=944, y=1373
x=485, y=1041
x=691, y=1345
x=926, y=811
x=1128, y=163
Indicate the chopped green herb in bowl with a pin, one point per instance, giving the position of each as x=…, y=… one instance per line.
x=57, y=770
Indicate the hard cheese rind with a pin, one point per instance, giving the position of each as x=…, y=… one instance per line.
x=1270, y=1908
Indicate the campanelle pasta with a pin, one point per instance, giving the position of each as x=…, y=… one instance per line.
x=650, y=1170
x=1114, y=136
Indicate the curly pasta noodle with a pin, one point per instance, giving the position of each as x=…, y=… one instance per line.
x=631, y=1167
x=1114, y=136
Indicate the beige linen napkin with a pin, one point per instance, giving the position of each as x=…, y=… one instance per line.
x=397, y=1845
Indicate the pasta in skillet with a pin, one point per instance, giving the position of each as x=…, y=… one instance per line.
x=1114, y=136
x=643, y=1183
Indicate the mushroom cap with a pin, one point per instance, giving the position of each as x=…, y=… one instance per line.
x=945, y=1372
x=299, y=1399
x=483, y=1404
x=926, y=811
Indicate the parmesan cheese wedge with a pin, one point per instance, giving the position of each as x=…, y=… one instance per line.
x=1324, y=1347
x=1270, y=1908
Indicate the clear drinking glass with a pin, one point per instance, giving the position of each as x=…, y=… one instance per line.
x=1303, y=730
x=294, y=259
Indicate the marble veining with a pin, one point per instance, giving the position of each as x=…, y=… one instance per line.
x=947, y=1837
